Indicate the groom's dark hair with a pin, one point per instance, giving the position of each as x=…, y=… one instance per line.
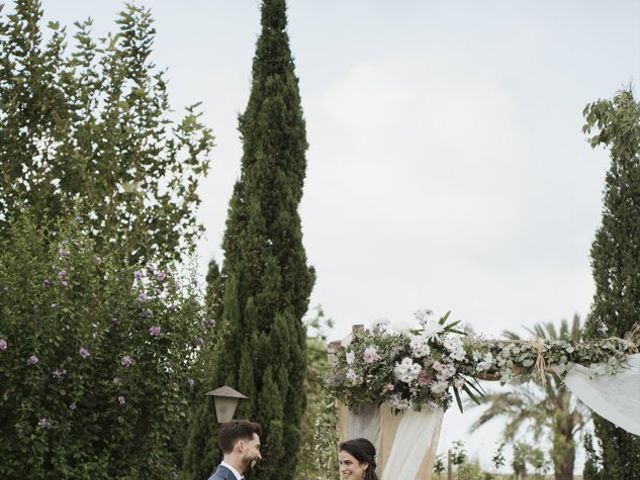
x=231, y=432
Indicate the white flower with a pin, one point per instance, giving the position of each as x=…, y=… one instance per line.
x=419, y=346
x=459, y=382
x=432, y=330
x=407, y=371
x=353, y=377
x=399, y=403
x=370, y=355
x=439, y=387
x=453, y=343
x=468, y=329
x=446, y=371
x=431, y=405
x=350, y=357
x=423, y=315
x=380, y=326
x=458, y=354
x=486, y=363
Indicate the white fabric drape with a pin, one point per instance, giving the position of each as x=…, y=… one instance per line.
x=614, y=397
x=365, y=424
x=416, y=437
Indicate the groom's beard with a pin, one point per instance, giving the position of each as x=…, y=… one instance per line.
x=249, y=463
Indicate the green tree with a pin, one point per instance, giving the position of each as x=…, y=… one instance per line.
x=592, y=465
x=438, y=466
x=87, y=133
x=459, y=454
x=519, y=460
x=615, y=254
x=266, y=282
x=549, y=409
x=318, y=453
x=498, y=459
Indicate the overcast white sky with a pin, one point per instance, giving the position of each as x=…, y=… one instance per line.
x=446, y=169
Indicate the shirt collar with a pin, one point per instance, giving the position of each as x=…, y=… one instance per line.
x=233, y=470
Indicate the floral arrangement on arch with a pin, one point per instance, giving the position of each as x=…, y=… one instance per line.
x=429, y=366
x=414, y=368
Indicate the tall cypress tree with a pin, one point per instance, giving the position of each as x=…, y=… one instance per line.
x=615, y=256
x=260, y=337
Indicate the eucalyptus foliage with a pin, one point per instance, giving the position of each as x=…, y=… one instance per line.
x=549, y=409
x=88, y=130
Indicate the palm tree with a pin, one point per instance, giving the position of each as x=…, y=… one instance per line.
x=545, y=410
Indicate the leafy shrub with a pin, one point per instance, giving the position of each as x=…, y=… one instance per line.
x=97, y=360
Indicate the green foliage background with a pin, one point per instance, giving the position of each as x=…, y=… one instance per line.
x=107, y=396
x=615, y=252
x=87, y=130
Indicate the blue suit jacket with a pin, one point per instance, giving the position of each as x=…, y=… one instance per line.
x=222, y=473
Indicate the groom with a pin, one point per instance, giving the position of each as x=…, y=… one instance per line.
x=240, y=444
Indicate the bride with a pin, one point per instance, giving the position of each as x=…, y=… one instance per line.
x=357, y=460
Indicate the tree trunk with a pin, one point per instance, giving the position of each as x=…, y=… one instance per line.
x=563, y=454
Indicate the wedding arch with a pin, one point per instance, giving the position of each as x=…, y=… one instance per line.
x=393, y=386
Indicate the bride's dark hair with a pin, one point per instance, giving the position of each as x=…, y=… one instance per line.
x=362, y=450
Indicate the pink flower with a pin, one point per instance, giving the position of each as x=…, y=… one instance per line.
x=44, y=423
x=84, y=353
x=59, y=374
x=32, y=360
x=154, y=331
x=370, y=355
x=425, y=378
x=3, y=344
x=437, y=366
x=389, y=387
x=126, y=361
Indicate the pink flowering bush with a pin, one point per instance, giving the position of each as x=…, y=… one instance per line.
x=94, y=383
